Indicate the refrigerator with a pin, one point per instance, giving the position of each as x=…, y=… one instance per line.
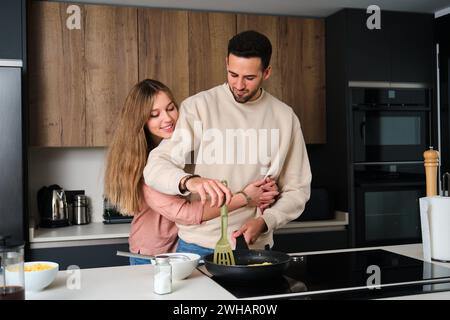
x=442, y=27
x=12, y=222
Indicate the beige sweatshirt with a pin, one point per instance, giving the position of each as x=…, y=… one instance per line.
x=239, y=143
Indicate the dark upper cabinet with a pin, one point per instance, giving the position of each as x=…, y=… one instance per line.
x=11, y=29
x=401, y=51
x=368, y=52
x=412, y=48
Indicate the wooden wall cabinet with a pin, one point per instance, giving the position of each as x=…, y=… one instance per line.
x=79, y=79
x=208, y=44
x=111, y=67
x=56, y=78
x=183, y=49
x=298, y=62
x=163, y=49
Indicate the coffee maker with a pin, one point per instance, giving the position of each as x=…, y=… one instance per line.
x=52, y=206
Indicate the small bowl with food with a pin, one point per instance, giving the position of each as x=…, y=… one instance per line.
x=39, y=274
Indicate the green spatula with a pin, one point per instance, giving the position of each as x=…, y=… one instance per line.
x=223, y=254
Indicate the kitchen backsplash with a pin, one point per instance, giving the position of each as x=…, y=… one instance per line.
x=72, y=169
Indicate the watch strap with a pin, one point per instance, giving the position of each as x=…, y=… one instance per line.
x=183, y=185
x=249, y=199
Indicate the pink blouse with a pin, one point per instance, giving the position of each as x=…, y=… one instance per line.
x=153, y=230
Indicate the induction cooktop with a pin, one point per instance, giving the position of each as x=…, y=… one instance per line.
x=365, y=274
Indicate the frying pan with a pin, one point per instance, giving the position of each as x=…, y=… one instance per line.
x=243, y=258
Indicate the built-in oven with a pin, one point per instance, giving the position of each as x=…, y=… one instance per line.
x=387, y=203
x=390, y=124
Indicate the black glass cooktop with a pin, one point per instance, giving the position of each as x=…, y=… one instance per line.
x=346, y=275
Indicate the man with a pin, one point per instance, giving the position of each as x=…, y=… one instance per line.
x=237, y=132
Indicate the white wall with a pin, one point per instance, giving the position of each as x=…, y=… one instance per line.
x=72, y=169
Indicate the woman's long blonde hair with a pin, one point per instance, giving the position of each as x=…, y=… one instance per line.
x=130, y=146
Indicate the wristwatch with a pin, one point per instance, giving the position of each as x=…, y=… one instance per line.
x=184, y=180
x=247, y=197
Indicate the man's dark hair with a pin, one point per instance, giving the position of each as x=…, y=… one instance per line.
x=250, y=44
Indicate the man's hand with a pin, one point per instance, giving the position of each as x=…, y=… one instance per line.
x=218, y=193
x=251, y=230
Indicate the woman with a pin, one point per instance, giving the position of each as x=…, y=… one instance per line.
x=148, y=116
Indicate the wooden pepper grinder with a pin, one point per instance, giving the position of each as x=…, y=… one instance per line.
x=431, y=162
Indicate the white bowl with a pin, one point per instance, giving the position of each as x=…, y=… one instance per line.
x=38, y=280
x=181, y=269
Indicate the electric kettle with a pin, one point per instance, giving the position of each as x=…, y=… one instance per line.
x=52, y=206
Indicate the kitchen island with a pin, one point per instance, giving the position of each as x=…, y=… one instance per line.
x=136, y=282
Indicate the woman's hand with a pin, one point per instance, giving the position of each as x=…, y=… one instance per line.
x=262, y=192
x=270, y=194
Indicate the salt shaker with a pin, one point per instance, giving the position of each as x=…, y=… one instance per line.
x=163, y=275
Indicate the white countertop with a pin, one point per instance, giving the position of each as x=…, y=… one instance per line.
x=136, y=282
x=128, y=283
x=91, y=231
x=77, y=235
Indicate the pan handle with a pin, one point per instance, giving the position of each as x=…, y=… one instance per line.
x=240, y=243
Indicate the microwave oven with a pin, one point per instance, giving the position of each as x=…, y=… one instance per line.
x=390, y=124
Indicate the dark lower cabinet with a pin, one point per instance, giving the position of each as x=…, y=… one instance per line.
x=96, y=256
x=310, y=241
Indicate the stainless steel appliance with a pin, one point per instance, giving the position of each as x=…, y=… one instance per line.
x=390, y=124
x=12, y=197
x=52, y=206
x=81, y=213
x=70, y=197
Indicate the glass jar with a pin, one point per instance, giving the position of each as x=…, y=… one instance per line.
x=12, y=279
x=162, y=282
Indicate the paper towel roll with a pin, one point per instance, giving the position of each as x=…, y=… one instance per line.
x=439, y=224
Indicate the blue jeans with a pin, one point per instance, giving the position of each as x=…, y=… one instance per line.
x=138, y=261
x=193, y=248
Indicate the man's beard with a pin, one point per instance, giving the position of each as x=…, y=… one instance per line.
x=246, y=98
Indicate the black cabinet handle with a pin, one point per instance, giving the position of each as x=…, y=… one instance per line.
x=362, y=131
